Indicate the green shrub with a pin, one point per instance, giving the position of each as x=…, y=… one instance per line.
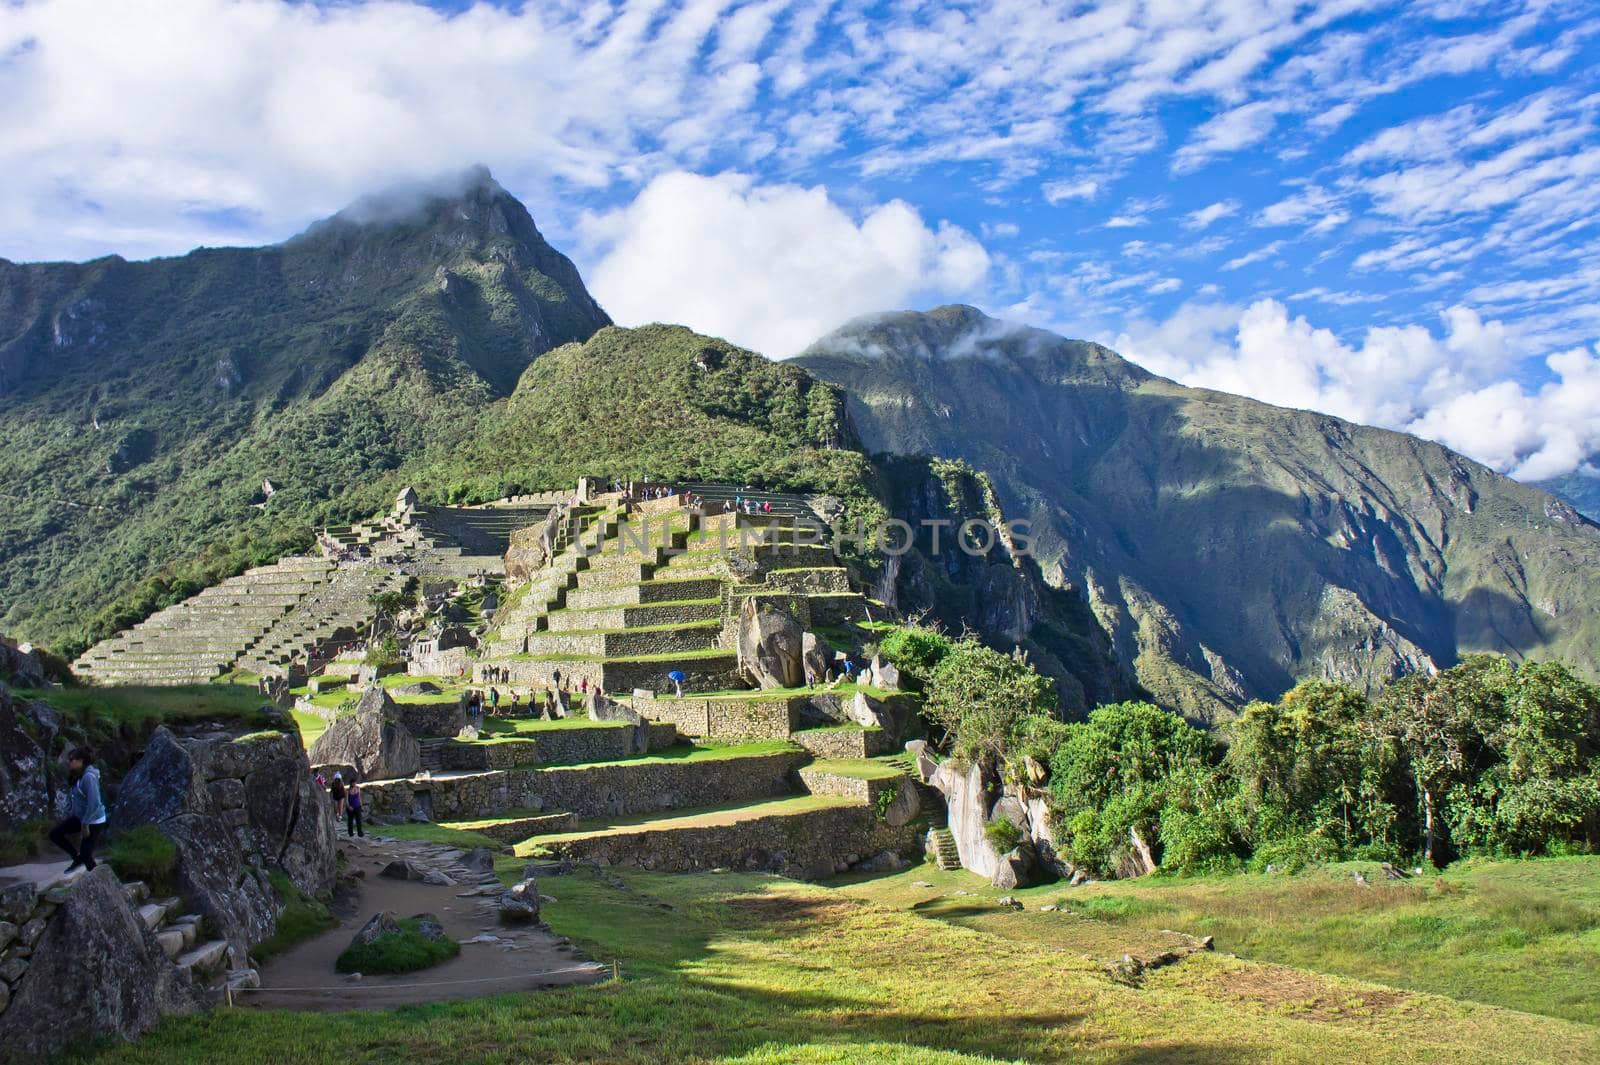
x=404, y=951
x=143, y=853
x=1002, y=834
x=886, y=799
x=915, y=649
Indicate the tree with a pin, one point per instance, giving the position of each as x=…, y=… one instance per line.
x=1311, y=771
x=981, y=698
x=1437, y=724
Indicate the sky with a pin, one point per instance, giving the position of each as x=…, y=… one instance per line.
x=1384, y=211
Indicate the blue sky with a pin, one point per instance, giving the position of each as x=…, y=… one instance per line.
x=1385, y=211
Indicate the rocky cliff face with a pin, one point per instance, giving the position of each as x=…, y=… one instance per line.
x=1227, y=547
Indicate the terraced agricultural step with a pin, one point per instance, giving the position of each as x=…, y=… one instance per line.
x=698, y=636
x=804, y=836
x=654, y=591
x=511, y=830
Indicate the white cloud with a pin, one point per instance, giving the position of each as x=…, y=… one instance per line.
x=1059, y=192
x=1448, y=386
x=1203, y=218
x=771, y=267
x=1266, y=251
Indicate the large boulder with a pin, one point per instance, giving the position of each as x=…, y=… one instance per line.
x=378, y=747
x=532, y=548
x=870, y=713
x=1017, y=868
x=520, y=905
x=94, y=972
x=813, y=656
x=770, y=645
x=966, y=788
x=907, y=804
x=165, y=783
x=1135, y=859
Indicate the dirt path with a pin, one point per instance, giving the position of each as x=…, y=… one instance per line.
x=516, y=959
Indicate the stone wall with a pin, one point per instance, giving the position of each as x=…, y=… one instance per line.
x=650, y=787
x=441, y=718
x=726, y=719
x=442, y=798
x=845, y=742
x=809, y=844
x=452, y=662
x=821, y=782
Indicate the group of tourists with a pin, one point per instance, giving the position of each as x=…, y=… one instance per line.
x=743, y=504
x=346, y=796
x=555, y=703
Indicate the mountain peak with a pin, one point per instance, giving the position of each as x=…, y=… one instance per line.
x=469, y=198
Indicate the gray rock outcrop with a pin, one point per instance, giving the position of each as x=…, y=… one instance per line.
x=770, y=644
x=966, y=794
x=25, y=787
x=235, y=807
x=93, y=972
x=376, y=745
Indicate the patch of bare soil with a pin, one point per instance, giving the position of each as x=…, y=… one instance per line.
x=494, y=958
x=1294, y=993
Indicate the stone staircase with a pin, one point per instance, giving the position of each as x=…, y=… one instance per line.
x=432, y=751
x=944, y=848
x=180, y=934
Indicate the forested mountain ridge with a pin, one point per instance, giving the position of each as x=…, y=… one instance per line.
x=144, y=404
x=1229, y=547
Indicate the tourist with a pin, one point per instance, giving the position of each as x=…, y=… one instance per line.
x=515, y=695
x=583, y=686
x=811, y=676
x=849, y=669
x=550, y=704
x=86, y=812
x=677, y=678
x=352, y=811
x=556, y=677
x=494, y=702
x=336, y=793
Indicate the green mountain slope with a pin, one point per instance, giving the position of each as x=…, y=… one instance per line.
x=1229, y=547
x=1581, y=489
x=142, y=405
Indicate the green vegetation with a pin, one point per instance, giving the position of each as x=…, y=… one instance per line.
x=726, y=814
x=1002, y=834
x=300, y=916
x=19, y=846
x=105, y=711
x=143, y=853
x=404, y=951
x=738, y=968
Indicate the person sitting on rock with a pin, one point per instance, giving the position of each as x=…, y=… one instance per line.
x=352, y=811
x=86, y=812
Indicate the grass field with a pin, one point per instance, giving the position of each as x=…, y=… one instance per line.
x=754, y=970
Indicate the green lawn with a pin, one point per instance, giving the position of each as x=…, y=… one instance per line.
x=1520, y=934
x=858, y=768
x=514, y=728
x=743, y=969
x=431, y=833
x=705, y=817
x=697, y=752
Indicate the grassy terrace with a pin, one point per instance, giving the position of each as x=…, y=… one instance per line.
x=707, y=817
x=755, y=970
x=857, y=768
x=709, y=624
x=636, y=606
x=782, y=693
x=111, y=707
x=702, y=752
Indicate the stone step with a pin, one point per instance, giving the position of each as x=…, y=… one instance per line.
x=694, y=637
x=655, y=591
x=135, y=891
x=630, y=617
x=206, y=959
x=154, y=914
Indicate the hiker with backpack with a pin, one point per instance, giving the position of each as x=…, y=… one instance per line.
x=86, y=812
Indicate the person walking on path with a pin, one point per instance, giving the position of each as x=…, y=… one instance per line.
x=336, y=793
x=86, y=812
x=352, y=811
x=494, y=702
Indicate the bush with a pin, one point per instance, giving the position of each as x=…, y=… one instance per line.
x=143, y=853
x=983, y=699
x=384, y=652
x=915, y=649
x=1002, y=834
x=17, y=847
x=404, y=951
